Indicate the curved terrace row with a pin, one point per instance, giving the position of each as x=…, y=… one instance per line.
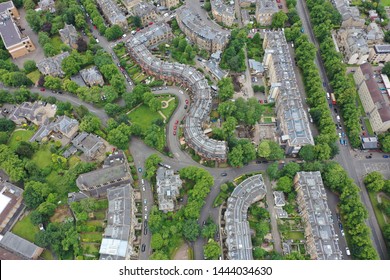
x=188, y=77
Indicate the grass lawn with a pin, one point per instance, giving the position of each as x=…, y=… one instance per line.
x=25, y=229
x=100, y=215
x=34, y=76
x=42, y=158
x=385, y=2
x=91, y=237
x=171, y=107
x=56, y=41
x=19, y=135
x=73, y=160
x=94, y=223
x=378, y=212
x=143, y=116
x=296, y=235
x=368, y=126
x=47, y=255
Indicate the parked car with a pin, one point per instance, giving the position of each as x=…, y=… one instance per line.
x=177, y=121
x=41, y=227
x=224, y=174
x=143, y=247
x=139, y=169
x=187, y=101
x=174, y=133
x=142, y=181
x=42, y=89
x=185, y=107
x=145, y=201
x=385, y=156
x=347, y=251
x=368, y=157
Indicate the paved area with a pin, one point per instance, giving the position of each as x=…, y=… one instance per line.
x=383, y=167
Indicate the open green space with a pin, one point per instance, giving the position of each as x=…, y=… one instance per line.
x=384, y=2
x=143, y=116
x=56, y=41
x=34, y=76
x=91, y=237
x=368, y=126
x=171, y=106
x=73, y=160
x=18, y=136
x=378, y=213
x=295, y=235
x=42, y=158
x=25, y=229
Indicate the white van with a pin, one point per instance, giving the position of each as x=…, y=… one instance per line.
x=327, y=95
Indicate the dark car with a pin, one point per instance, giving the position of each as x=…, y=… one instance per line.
x=224, y=174
x=143, y=247
x=145, y=231
x=335, y=110
x=385, y=156
x=185, y=106
x=368, y=156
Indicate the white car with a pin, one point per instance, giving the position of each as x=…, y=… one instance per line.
x=124, y=35
x=342, y=232
x=347, y=251
x=97, y=40
x=142, y=182
x=146, y=208
x=339, y=134
x=181, y=92
x=143, y=188
x=146, y=216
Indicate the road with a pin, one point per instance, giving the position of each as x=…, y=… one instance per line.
x=344, y=157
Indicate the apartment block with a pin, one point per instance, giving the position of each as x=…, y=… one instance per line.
x=17, y=43
x=187, y=77
x=170, y=3
x=321, y=238
x=222, y=12
x=238, y=240
x=292, y=121
x=199, y=33
x=146, y=11
x=379, y=54
x=265, y=9
x=168, y=188
x=112, y=13
x=374, y=96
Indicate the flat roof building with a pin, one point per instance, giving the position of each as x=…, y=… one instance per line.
x=379, y=54
x=11, y=198
x=119, y=235
x=190, y=78
x=321, y=238
x=375, y=98
x=293, y=124
x=238, y=240
x=17, y=43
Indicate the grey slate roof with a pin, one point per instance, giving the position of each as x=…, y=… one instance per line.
x=89, y=143
x=19, y=245
x=237, y=228
x=92, y=76
x=168, y=185
x=52, y=65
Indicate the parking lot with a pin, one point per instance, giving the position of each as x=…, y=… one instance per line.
x=382, y=167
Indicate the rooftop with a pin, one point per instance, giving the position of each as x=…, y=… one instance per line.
x=238, y=238
x=20, y=246
x=317, y=215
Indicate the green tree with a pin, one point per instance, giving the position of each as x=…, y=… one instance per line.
x=191, y=230
x=34, y=20
x=264, y=149
x=120, y=136
x=114, y=32
x=307, y=153
x=374, y=181
x=54, y=83
x=49, y=50
x=386, y=69
x=228, y=127
x=212, y=251
x=70, y=65
x=29, y=66
x=112, y=109
x=137, y=21
x=236, y=156
x=384, y=140
x=285, y=184
x=151, y=165
x=7, y=125
x=25, y=149
x=157, y=241
x=279, y=19
x=90, y=123
x=322, y=151
x=290, y=169
x=226, y=89
x=273, y=171
x=35, y=193
x=154, y=104
x=277, y=153
x=209, y=230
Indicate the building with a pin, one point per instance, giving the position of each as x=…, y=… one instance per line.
x=256, y=67
x=265, y=9
x=168, y=187
x=375, y=34
x=112, y=13
x=63, y=128
x=146, y=11
x=352, y=42
x=52, y=65
x=8, y=255
x=379, y=54
x=375, y=100
x=90, y=144
x=129, y=4
x=247, y=3
x=69, y=35
x=155, y=34
x=370, y=143
x=222, y=12
x=199, y=33
x=245, y=17
x=321, y=238
x=187, y=77
x=97, y=182
x=16, y=43
x=38, y=113
x=11, y=204
x=350, y=15
x=92, y=76
x=292, y=122
x=170, y=3
x=119, y=235
x=279, y=199
x=238, y=232
x=213, y=68
x=20, y=246
x=47, y=5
